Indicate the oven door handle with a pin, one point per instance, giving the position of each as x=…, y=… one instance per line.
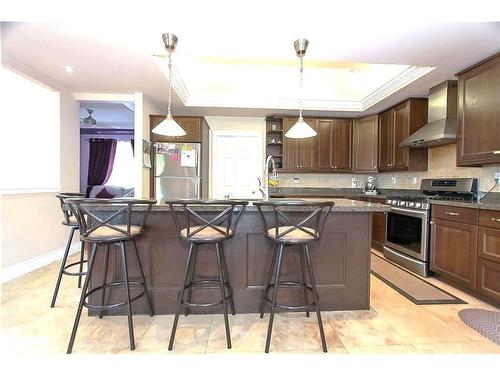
x=406, y=210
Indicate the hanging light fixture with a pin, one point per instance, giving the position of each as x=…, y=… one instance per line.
x=301, y=129
x=169, y=126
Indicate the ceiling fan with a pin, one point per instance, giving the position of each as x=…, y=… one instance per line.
x=89, y=120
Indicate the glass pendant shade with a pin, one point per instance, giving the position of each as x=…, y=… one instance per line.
x=169, y=127
x=300, y=129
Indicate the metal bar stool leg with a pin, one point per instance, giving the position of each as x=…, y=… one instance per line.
x=268, y=282
x=143, y=279
x=306, y=302
x=223, y=294
x=82, y=299
x=316, y=298
x=104, y=277
x=63, y=264
x=82, y=252
x=180, y=297
x=127, y=296
x=191, y=277
x=275, y=293
x=226, y=279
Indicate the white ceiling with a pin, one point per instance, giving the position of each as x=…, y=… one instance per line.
x=117, y=56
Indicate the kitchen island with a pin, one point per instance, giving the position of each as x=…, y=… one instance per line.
x=341, y=261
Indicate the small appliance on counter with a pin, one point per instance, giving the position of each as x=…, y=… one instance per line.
x=370, y=188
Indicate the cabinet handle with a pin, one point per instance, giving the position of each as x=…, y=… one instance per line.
x=497, y=152
x=451, y=213
x=495, y=219
x=431, y=223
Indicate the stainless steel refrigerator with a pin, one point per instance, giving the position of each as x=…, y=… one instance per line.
x=177, y=171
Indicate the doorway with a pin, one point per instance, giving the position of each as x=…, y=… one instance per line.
x=237, y=163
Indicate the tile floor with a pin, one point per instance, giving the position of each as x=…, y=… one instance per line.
x=392, y=325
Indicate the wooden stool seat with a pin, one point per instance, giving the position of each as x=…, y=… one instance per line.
x=118, y=234
x=199, y=233
x=287, y=233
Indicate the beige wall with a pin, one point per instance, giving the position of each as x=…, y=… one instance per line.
x=30, y=224
x=442, y=163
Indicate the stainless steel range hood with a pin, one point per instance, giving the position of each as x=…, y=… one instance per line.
x=441, y=127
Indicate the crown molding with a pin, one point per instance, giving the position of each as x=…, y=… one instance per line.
x=397, y=83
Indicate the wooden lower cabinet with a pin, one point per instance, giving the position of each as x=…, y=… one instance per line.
x=488, y=278
x=454, y=251
x=489, y=244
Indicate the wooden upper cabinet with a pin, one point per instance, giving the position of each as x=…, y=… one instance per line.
x=401, y=132
x=365, y=144
x=191, y=125
x=299, y=153
x=395, y=125
x=385, y=144
x=341, y=145
x=325, y=131
x=334, y=144
x=478, y=132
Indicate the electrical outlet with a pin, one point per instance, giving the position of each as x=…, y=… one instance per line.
x=497, y=177
x=414, y=180
x=354, y=182
x=296, y=180
x=393, y=179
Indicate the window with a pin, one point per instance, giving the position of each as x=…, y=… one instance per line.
x=30, y=138
x=122, y=174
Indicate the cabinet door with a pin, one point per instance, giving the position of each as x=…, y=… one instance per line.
x=191, y=125
x=307, y=147
x=454, y=251
x=488, y=278
x=478, y=140
x=325, y=136
x=385, y=144
x=489, y=244
x=401, y=132
x=365, y=144
x=290, y=146
x=341, y=145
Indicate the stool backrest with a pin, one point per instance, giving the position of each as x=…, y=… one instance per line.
x=306, y=217
x=118, y=214
x=64, y=207
x=222, y=216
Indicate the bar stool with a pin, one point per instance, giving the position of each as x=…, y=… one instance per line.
x=102, y=223
x=69, y=221
x=292, y=223
x=205, y=222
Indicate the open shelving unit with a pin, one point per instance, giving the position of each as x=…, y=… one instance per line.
x=274, y=139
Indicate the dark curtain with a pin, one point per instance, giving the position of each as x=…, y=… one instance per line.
x=101, y=159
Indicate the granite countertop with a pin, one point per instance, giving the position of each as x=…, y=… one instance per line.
x=480, y=206
x=341, y=205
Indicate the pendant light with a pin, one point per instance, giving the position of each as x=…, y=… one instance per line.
x=300, y=129
x=168, y=126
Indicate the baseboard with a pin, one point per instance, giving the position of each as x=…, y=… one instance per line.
x=19, y=269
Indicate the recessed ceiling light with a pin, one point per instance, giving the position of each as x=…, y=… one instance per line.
x=69, y=69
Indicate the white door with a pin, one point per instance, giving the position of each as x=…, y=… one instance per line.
x=236, y=165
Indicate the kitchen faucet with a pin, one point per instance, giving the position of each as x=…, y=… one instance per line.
x=264, y=185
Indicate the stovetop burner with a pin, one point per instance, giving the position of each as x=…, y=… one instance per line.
x=464, y=190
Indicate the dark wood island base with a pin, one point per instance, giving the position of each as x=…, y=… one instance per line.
x=341, y=261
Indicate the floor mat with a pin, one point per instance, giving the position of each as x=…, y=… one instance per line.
x=412, y=287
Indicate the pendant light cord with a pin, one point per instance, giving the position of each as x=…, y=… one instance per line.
x=301, y=78
x=169, y=83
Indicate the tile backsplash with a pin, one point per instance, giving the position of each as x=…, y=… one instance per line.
x=442, y=164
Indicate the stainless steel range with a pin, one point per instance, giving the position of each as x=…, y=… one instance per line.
x=408, y=222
